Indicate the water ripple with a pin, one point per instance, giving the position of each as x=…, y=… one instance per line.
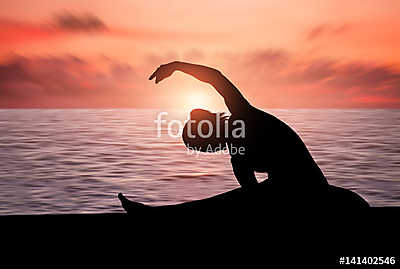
x=76, y=161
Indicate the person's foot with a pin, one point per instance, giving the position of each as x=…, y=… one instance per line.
x=130, y=206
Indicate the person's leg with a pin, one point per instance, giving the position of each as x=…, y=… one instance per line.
x=131, y=206
x=345, y=199
x=231, y=199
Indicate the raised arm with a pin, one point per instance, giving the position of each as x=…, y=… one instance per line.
x=234, y=100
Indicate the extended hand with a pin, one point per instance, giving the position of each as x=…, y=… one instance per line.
x=164, y=71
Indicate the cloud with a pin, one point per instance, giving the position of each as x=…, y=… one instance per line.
x=326, y=30
x=315, y=71
x=295, y=80
x=377, y=80
x=65, y=25
x=70, y=25
x=269, y=58
x=67, y=82
x=315, y=32
x=193, y=55
x=269, y=78
x=78, y=22
x=14, y=32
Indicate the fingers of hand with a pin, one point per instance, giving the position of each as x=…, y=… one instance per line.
x=154, y=74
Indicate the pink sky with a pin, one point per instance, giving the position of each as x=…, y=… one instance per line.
x=311, y=54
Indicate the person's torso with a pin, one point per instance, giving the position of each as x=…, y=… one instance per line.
x=269, y=145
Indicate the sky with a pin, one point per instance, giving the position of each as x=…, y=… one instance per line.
x=280, y=54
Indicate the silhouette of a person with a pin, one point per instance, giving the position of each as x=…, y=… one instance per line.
x=262, y=143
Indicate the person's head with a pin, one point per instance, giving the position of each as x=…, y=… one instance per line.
x=205, y=131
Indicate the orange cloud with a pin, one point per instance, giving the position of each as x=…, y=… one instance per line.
x=324, y=30
x=12, y=32
x=71, y=25
x=269, y=78
x=281, y=79
x=67, y=81
x=65, y=24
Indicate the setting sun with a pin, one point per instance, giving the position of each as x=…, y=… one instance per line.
x=190, y=94
x=197, y=99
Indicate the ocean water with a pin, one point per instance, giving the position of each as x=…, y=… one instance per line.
x=78, y=160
